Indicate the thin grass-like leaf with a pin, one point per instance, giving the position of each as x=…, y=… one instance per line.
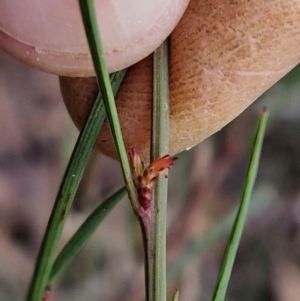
x=64, y=200
x=261, y=199
x=235, y=237
x=96, y=49
x=176, y=295
x=66, y=193
x=78, y=240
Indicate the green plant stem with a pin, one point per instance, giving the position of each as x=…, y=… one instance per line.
x=155, y=265
x=235, y=237
x=153, y=233
x=93, y=37
x=67, y=190
x=77, y=241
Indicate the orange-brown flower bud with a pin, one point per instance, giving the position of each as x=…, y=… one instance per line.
x=144, y=178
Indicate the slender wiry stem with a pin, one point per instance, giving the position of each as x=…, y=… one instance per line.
x=152, y=223
x=156, y=240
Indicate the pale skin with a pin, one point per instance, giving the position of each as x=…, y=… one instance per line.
x=49, y=35
x=223, y=55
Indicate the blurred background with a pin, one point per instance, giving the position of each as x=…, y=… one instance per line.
x=36, y=140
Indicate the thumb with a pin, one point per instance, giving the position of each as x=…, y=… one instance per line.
x=49, y=35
